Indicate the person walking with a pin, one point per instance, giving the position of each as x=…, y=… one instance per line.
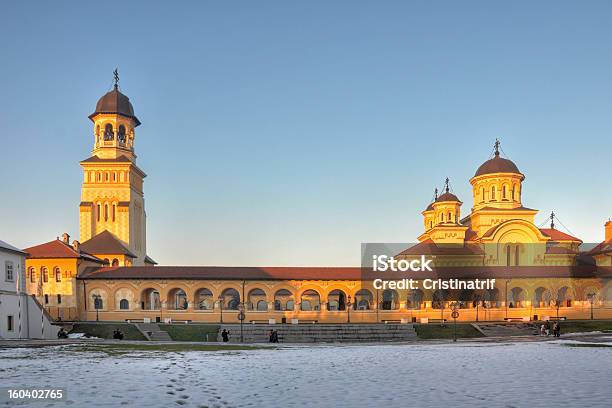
x=225, y=336
x=271, y=336
x=274, y=336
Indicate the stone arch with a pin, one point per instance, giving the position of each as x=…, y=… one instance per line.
x=336, y=300
x=231, y=298
x=98, y=299
x=150, y=298
x=565, y=296
x=517, y=297
x=542, y=297
x=257, y=299
x=390, y=300
x=310, y=300
x=124, y=293
x=415, y=299
x=284, y=299
x=203, y=299
x=177, y=299
x=364, y=299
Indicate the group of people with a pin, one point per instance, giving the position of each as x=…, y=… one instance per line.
x=545, y=329
x=117, y=334
x=273, y=336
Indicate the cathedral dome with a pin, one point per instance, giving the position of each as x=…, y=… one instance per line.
x=497, y=165
x=115, y=102
x=447, y=197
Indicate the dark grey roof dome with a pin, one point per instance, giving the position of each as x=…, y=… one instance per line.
x=116, y=103
x=497, y=165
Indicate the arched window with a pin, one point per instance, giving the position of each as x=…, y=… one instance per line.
x=514, y=191
x=482, y=195
x=262, y=306
x=121, y=135
x=390, y=300
x=517, y=253
x=442, y=217
x=363, y=300
x=430, y=224
x=45, y=274
x=115, y=262
x=449, y=217
x=493, y=193
x=58, y=274
x=231, y=299
x=254, y=297
x=106, y=261
x=504, y=191
x=336, y=300
x=32, y=275
x=310, y=300
x=105, y=212
x=204, y=299
x=98, y=213
x=124, y=304
x=283, y=300
x=108, y=132
x=114, y=211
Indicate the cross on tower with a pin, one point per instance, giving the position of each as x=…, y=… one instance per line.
x=497, y=145
x=552, y=220
x=116, y=76
x=446, y=185
x=436, y=193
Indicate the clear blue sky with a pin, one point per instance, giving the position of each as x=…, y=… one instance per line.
x=287, y=134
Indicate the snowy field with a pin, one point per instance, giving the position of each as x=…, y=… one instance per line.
x=533, y=374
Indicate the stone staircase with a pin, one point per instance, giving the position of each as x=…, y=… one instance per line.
x=507, y=329
x=152, y=332
x=321, y=333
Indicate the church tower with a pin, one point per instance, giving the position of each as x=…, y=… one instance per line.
x=112, y=214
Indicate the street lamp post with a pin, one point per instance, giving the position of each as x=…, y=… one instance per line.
x=507, y=281
x=348, y=309
x=455, y=314
x=241, y=318
x=591, y=297
x=221, y=299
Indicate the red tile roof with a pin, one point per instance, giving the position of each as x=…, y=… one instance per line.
x=105, y=243
x=335, y=273
x=557, y=235
x=58, y=249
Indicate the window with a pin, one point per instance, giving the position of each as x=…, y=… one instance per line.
x=46, y=299
x=124, y=304
x=504, y=192
x=114, y=209
x=32, y=275
x=108, y=132
x=59, y=299
x=8, y=268
x=105, y=212
x=482, y=195
x=45, y=274
x=121, y=136
x=58, y=274
x=10, y=324
x=493, y=193
x=115, y=262
x=449, y=217
x=98, y=212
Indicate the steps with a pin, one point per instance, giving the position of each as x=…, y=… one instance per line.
x=321, y=333
x=507, y=329
x=152, y=332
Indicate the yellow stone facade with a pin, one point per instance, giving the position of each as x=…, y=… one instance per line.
x=497, y=232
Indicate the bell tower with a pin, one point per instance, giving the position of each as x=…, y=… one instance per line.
x=112, y=196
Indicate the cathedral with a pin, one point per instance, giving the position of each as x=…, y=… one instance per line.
x=107, y=274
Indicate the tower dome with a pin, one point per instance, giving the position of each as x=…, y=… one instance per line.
x=497, y=165
x=114, y=102
x=497, y=183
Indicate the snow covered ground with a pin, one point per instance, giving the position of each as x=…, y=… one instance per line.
x=534, y=374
